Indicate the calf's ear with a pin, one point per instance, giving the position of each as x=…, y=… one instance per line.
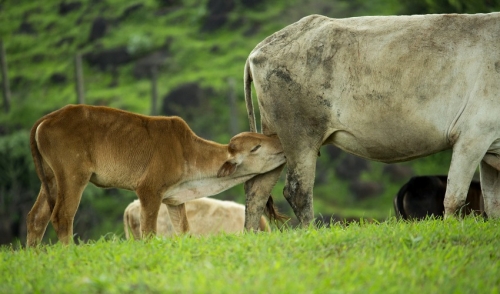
x=227, y=169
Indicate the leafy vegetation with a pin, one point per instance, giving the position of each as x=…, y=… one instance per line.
x=204, y=43
x=431, y=256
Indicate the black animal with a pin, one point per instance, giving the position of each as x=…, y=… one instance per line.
x=423, y=196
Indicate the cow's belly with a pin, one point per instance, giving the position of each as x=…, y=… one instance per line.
x=388, y=149
x=394, y=136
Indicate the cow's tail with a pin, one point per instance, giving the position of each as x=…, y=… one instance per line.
x=273, y=214
x=398, y=203
x=37, y=157
x=247, y=80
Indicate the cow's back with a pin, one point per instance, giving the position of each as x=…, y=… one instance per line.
x=385, y=88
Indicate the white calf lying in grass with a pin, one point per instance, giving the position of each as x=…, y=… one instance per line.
x=205, y=216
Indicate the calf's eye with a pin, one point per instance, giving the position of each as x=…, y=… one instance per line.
x=255, y=148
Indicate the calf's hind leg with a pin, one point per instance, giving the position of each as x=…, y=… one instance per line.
x=38, y=219
x=69, y=194
x=39, y=215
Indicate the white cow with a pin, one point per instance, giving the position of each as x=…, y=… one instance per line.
x=206, y=216
x=386, y=88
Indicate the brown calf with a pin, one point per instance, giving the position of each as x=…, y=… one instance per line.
x=160, y=158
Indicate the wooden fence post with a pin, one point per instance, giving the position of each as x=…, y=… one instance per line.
x=80, y=92
x=5, y=79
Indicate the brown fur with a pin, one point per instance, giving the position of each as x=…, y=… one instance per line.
x=205, y=216
x=159, y=158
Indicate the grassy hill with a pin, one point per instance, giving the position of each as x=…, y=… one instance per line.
x=431, y=256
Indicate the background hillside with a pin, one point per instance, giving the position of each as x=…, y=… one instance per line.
x=172, y=57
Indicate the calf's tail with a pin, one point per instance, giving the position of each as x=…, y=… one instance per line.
x=37, y=157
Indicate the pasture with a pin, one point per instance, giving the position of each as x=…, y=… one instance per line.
x=432, y=256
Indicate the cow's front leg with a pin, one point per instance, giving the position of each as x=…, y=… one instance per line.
x=299, y=184
x=466, y=156
x=490, y=185
x=258, y=190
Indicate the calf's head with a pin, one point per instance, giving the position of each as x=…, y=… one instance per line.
x=252, y=153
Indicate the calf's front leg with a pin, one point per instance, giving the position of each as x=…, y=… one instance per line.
x=178, y=217
x=150, y=206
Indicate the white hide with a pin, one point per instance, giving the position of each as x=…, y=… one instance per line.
x=386, y=88
x=205, y=216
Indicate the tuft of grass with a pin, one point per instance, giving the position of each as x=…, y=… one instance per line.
x=432, y=256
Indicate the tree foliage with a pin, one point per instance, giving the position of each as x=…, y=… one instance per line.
x=449, y=6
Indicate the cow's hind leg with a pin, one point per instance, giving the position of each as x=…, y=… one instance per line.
x=467, y=154
x=490, y=184
x=299, y=183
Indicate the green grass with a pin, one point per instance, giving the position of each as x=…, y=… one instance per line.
x=432, y=256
